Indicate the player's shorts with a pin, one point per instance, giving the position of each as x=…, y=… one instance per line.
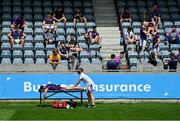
x=156, y=50
x=90, y=88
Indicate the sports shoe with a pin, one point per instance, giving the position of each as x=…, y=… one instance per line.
x=93, y=106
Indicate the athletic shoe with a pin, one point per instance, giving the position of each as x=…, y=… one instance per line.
x=93, y=106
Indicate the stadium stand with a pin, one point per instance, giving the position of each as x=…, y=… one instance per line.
x=36, y=51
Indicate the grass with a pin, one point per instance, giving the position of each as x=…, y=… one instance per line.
x=113, y=111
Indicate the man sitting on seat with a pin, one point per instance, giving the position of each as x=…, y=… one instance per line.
x=16, y=36
x=94, y=36
x=55, y=58
x=19, y=22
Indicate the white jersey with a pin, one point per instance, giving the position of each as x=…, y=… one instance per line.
x=87, y=80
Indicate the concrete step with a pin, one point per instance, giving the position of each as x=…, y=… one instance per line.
x=105, y=12
x=107, y=25
x=103, y=8
x=105, y=22
x=108, y=28
x=110, y=41
x=106, y=17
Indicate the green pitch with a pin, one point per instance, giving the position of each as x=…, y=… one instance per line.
x=114, y=111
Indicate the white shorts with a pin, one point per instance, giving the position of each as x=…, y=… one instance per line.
x=156, y=50
x=90, y=88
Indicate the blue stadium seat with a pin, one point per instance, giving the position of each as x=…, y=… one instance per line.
x=39, y=54
x=77, y=4
x=67, y=4
x=17, y=61
x=6, y=3
x=60, y=31
x=39, y=46
x=4, y=39
x=16, y=47
x=28, y=46
x=88, y=11
x=60, y=38
x=6, y=9
x=38, y=17
x=28, y=61
x=84, y=54
x=144, y=55
x=85, y=61
x=87, y=4
x=80, y=25
x=50, y=47
x=29, y=24
x=95, y=47
x=6, y=61
x=28, y=17
x=5, y=46
x=132, y=54
x=37, y=3
x=83, y=45
x=6, y=24
x=60, y=25
x=69, y=31
x=81, y=39
x=96, y=61
x=27, y=3
x=136, y=31
x=17, y=54
x=93, y=54
x=47, y=10
x=163, y=47
x=177, y=23
x=175, y=46
x=38, y=31
x=37, y=24
x=126, y=24
x=68, y=10
x=47, y=4
x=133, y=61
x=37, y=10
x=28, y=54
x=38, y=39
x=81, y=31
x=17, y=10
x=6, y=54
x=136, y=24
x=40, y=61
x=165, y=54
x=91, y=24
x=168, y=24
x=6, y=31
x=28, y=31
x=6, y=17
x=57, y=3
x=28, y=39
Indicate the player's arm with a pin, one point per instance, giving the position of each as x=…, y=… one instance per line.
x=77, y=83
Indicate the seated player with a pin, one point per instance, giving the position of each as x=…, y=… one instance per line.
x=19, y=22
x=54, y=87
x=78, y=17
x=94, y=36
x=125, y=16
x=73, y=45
x=55, y=58
x=59, y=14
x=130, y=37
x=16, y=36
x=49, y=23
